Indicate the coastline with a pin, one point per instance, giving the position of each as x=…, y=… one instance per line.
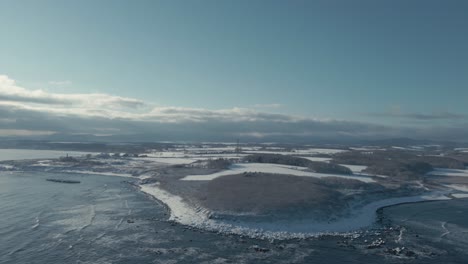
x=186, y=214
x=183, y=213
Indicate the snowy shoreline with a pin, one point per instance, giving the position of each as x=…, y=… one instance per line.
x=185, y=214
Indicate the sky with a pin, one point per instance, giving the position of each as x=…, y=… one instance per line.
x=363, y=68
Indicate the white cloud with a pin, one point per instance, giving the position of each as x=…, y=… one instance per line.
x=10, y=92
x=23, y=132
x=182, y=114
x=36, y=112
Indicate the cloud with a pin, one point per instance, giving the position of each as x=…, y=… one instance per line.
x=175, y=123
x=10, y=92
x=397, y=113
x=434, y=116
x=181, y=114
x=23, y=133
x=29, y=112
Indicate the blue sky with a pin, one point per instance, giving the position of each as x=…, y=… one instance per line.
x=393, y=63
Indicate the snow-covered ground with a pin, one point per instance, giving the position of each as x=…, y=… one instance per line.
x=320, y=159
x=6, y=167
x=168, y=154
x=190, y=155
x=449, y=172
x=355, y=168
x=181, y=212
x=458, y=187
x=370, y=148
x=460, y=195
x=187, y=159
x=168, y=160
x=211, y=149
x=271, y=168
x=462, y=149
x=311, y=151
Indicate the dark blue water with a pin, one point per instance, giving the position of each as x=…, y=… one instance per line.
x=48, y=222
x=106, y=220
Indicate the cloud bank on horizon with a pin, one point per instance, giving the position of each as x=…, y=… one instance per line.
x=28, y=112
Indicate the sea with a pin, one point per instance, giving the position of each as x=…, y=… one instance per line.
x=106, y=219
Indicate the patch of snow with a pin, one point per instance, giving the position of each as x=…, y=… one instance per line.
x=7, y=167
x=420, y=185
x=167, y=154
x=449, y=172
x=212, y=149
x=458, y=187
x=320, y=159
x=355, y=168
x=461, y=149
x=319, y=151
x=181, y=212
x=367, y=148
x=271, y=168
x=460, y=195
x=172, y=161
x=145, y=176
x=311, y=151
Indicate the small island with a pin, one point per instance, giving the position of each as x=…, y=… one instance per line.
x=63, y=181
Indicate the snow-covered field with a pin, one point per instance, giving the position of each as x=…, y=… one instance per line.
x=271, y=168
x=172, y=161
x=370, y=148
x=462, y=149
x=355, y=168
x=458, y=187
x=311, y=151
x=460, y=195
x=189, y=155
x=449, y=172
x=320, y=159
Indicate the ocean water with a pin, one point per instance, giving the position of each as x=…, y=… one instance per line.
x=107, y=220
x=48, y=222
x=437, y=228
